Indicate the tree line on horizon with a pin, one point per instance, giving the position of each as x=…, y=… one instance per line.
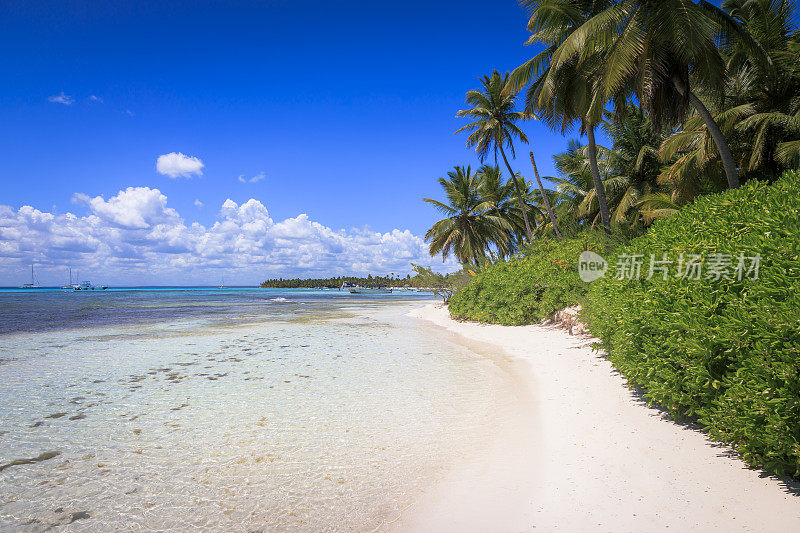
x=336, y=282
x=694, y=99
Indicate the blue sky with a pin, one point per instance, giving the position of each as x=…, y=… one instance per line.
x=346, y=109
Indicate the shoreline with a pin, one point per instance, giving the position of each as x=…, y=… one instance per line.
x=593, y=456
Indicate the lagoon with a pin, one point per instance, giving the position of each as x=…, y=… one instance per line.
x=233, y=409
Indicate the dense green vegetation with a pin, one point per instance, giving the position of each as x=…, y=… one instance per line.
x=529, y=288
x=723, y=351
x=335, y=283
x=726, y=351
x=701, y=105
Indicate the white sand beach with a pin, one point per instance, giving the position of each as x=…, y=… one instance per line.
x=590, y=455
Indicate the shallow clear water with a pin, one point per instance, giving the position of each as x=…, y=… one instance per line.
x=291, y=412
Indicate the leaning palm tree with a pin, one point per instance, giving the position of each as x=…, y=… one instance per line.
x=769, y=94
x=494, y=126
x=629, y=171
x=660, y=50
x=565, y=98
x=534, y=206
x=563, y=94
x=760, y=111
x=577, y=181
x=469, y=229
x=545, y=199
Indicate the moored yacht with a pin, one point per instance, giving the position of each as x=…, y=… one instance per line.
x=71, y=286
x=34, y=284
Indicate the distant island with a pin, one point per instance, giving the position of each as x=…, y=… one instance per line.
x=335, y=283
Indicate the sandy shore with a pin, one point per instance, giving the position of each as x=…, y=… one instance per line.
x=591, y=456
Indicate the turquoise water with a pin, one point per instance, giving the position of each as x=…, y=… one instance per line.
x=53, y=308
x=229, y=410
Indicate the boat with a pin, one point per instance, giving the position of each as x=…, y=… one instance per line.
x=71, y=286
x=369, y=290
x=87, y=286
x=34, y=284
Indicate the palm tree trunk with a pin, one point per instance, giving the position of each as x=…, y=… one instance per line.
x=545, y=199
x=716, y=134
x=599, y=190
x=522, y=205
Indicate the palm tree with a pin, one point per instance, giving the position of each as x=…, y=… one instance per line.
x=769, y=93
x=576, y=183
x=661, y=50
x=496, y=195
x=657, y=205
x=759, y=112
x=545, y=199
x=469, y=229
x=634, y=160
x=563, y=93
x=629, y=170
x=494, y=126
x=493, y=190
x=533, y=202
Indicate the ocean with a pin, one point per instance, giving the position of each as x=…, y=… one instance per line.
x=237, y=409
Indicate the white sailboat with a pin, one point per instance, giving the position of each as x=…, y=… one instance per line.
x=34, y=284
x=71, y=285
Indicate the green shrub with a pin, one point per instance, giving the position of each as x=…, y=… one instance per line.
x=530, y=288
x=727, y=351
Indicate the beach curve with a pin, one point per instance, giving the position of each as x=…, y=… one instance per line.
x=598, y=458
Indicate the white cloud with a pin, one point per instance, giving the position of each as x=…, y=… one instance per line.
x=134, y=237
x=255, y=179
x=61, y=98
x=135, y=207
x=95, y=98
x=175, y=164
x=198, y=203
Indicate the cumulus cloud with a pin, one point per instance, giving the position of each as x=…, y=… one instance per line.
x=198, y=203
x=95, y=98
x=135, y=237
x=61, y=98
x=255, y=179
x=176, y=164
x=135, y=207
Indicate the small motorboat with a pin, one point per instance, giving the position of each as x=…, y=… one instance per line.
x=87, y=286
